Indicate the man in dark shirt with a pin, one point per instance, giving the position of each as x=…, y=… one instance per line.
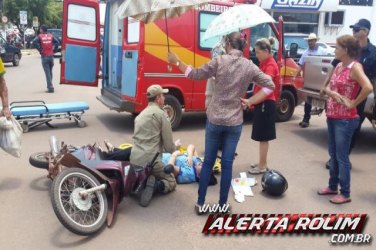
x=368, y=60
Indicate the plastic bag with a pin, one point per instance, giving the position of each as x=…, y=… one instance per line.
x=5, y=123
x=10, y=139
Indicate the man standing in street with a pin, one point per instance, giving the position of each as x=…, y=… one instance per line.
x=153, y=134
x=313, y=50
x=4, y=93
x=46, y=44
x=368, y=59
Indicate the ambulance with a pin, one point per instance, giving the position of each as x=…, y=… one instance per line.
x=133, y=56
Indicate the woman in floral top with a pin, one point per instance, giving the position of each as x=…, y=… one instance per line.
x=233, y=73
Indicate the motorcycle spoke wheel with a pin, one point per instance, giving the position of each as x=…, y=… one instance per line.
x=83, y=216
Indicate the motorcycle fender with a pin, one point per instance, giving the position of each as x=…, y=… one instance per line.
x=112, y=201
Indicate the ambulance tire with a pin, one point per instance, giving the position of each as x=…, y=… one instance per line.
x=286, y=107
x=173, y=109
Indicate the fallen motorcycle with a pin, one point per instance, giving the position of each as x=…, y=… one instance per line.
x=86, y=188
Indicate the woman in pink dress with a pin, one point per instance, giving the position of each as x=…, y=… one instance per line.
x=348, y=87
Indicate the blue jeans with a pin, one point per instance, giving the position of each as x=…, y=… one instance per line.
x=48, y=64
x=340, y=132
x=228, y=137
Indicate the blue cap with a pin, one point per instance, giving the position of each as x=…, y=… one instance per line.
x=362, y=23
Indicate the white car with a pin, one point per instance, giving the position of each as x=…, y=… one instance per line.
x=329, y=49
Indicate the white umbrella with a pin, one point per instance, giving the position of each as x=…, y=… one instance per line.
x=237, y=18
x=152, y=10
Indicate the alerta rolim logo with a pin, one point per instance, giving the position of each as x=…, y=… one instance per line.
x=297, y=4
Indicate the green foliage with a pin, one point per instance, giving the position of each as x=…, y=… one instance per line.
x=49, y=12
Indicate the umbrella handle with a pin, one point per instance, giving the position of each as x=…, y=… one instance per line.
x=168, y=42
x=169, y=67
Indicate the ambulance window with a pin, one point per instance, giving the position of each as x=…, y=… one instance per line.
x=133, y=30
x=204, y=20
x=81, y=23
x=262, y=31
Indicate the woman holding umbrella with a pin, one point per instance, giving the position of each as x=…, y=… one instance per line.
x=233, y=73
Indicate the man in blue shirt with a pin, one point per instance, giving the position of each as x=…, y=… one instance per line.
x=313, y=50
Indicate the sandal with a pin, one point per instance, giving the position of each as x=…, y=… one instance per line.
x=257, y=170
x=326, y=191
x=254, y=165
x=340, y=199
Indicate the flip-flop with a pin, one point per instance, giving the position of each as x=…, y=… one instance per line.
x=257, y=170
x=327, y=191
x=254, y=165
x=340, y=199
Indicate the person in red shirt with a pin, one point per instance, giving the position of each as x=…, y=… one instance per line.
x=263, y=129
x=46, y=44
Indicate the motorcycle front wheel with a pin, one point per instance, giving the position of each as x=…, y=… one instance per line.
x=80, y=216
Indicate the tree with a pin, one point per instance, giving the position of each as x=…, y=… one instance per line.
x=49, y=12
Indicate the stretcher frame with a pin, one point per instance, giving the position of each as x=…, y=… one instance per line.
x=34, y=120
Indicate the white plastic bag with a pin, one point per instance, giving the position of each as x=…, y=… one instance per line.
x=5, y=123
x=10, y=139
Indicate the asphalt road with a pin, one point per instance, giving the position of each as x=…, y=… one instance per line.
x=28, y=221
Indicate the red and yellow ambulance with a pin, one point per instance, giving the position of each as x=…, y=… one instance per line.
x=134, y=56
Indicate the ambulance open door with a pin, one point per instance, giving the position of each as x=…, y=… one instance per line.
x=80, y=43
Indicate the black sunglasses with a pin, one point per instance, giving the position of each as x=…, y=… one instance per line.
x=357, y=29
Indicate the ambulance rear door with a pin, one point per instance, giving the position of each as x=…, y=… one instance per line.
x=80, y=43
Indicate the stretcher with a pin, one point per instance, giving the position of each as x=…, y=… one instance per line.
x=31, y=114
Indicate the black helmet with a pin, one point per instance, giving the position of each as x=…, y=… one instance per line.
x=274, y=183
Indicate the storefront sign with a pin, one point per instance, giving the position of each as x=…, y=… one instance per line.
x=300, y=5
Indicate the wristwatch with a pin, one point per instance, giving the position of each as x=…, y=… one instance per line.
x=177, y=63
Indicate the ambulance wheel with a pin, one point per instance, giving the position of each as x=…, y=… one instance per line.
x=286, y=107
x=16, y=60
x=173, y=108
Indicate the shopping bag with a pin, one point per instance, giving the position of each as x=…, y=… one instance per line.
x=10, y=138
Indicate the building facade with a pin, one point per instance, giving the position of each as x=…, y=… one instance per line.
x=327, y=18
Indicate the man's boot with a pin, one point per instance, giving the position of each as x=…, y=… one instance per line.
x=148, y=192
x=159, y=187
x=152, y=186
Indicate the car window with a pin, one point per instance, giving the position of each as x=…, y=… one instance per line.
x=56, y=33
x=295, y=39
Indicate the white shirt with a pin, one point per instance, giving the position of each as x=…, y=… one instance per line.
x=318, y=51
